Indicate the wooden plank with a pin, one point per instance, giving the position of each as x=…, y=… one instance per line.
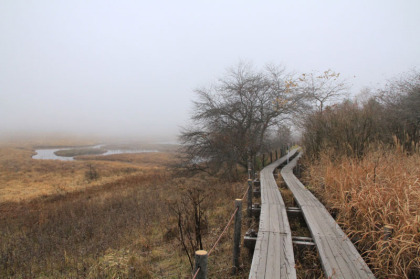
x=338, y=255
x=259, y=259
x=288, y=263
x=273, y=254
x=273, y=266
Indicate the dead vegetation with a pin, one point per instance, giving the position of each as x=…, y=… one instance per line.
x=24, y=178
x=118, y=225
x=382, y=188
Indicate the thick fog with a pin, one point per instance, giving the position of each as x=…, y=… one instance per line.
x=129, y=68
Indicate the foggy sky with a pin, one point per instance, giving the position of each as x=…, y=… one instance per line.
x=130, y=67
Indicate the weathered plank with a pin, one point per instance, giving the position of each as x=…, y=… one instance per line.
x=273, y=254
x=338, y=256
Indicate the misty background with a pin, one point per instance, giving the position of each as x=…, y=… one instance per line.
x=129, y=68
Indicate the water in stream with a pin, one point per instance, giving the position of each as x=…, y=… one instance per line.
x=48, y=153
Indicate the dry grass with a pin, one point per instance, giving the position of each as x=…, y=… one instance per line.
x=56, y=224
x=80, y=234
x=308, y=265
x=381, y=189
x=25, y=178
x=150, y=159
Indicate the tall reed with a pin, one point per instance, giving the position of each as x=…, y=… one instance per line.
x=382, y=188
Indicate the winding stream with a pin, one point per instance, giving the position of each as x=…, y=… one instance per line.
x=48, y=153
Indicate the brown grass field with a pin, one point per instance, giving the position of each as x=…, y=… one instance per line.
x=55, y=222
x=24, y=178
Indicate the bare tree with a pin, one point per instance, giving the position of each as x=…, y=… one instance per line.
x=232, y=117
x=347, y=129
x=323, y=88
x=401, y=97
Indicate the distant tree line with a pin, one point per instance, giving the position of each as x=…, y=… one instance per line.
x=390, y=116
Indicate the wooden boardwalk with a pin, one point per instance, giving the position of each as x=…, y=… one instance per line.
x=337, y=253
x=273, y=254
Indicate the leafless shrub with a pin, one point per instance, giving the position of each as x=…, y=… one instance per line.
x=345, y=129
x=401, y=98
x=190, y=212
x=91, y=173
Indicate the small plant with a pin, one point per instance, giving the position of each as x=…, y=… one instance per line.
x=91, y=174
x=190, y=212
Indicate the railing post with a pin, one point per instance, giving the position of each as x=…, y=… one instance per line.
x=263, y=160
x=249, y=207
x=271, y=157
x=201, y=258
x=237, y=235
x=277, y=155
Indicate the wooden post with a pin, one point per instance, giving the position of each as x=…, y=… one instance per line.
x=276, y=155
x=201, y=258
x=271, y=157
x=249, y=169
x=263, y=161
x=249, y=208
x=237, y=235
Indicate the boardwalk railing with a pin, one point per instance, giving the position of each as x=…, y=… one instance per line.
x=201, y=256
